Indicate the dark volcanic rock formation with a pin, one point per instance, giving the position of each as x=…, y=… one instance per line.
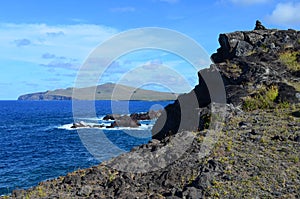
x=247, y=61
x=259, y=26
x=251, y=59
x=190, y=111
x=131, y=120
x=135, y=116
x=84, y=125
x=125, y=121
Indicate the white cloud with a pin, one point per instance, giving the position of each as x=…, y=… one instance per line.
x=285, y=14
x=39, y=41
x=249, y=2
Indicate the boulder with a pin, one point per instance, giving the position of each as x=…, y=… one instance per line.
x=82, y=124
x=259, y=26
x=111, y=116
x=124, y=121
x=140, y=116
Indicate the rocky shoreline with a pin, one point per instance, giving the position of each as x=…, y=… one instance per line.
x=255, y=152
x=132, y=120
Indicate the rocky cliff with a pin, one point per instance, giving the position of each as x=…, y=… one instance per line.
x=43, y=96
x=256, y=155
x=253, y=65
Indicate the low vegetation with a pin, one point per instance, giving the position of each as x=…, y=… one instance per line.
x=263, y=99
x=290, y=60
x=260, y=157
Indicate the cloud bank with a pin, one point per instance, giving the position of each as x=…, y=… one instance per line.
x=285, y=14
x=39, y=43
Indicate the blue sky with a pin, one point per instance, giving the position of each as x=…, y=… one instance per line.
x=44, y=43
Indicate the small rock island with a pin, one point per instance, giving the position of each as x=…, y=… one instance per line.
x=132, y=120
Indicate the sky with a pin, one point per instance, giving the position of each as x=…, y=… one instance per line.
x=44, y=44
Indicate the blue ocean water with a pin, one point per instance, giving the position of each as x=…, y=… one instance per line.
x=37, y=143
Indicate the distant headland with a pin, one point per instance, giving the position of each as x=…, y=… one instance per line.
x=101, y=92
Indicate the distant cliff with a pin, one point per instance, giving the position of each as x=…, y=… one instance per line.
x=43, y=96
x=101, y=92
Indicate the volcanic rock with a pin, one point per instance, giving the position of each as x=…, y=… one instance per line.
x=248, y=62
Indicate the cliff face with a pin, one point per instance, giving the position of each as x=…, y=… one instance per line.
x=43, y=96
x=251, y=59
x=252, y=64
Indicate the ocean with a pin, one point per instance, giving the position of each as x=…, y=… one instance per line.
x=37, y=142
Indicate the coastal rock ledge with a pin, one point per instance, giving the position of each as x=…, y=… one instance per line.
x=257, y=153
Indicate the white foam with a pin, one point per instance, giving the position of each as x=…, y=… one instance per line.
x=92, y=118
x=90, y=126
x=66, y=127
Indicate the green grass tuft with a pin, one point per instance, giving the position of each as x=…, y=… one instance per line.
x=264, y=99
x=290, y=60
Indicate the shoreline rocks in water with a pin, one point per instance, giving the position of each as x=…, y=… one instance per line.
x=82, y=124
x=119, y=120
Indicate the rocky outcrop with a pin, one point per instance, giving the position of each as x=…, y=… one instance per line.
x=125, y=121
x=259, y=26
x=146, y=116
x=250, y=63
x=82, y=124
x=132, y=120
x=249, y=60
x=135, y=116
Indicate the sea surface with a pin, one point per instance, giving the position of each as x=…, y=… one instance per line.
x=38, y=144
